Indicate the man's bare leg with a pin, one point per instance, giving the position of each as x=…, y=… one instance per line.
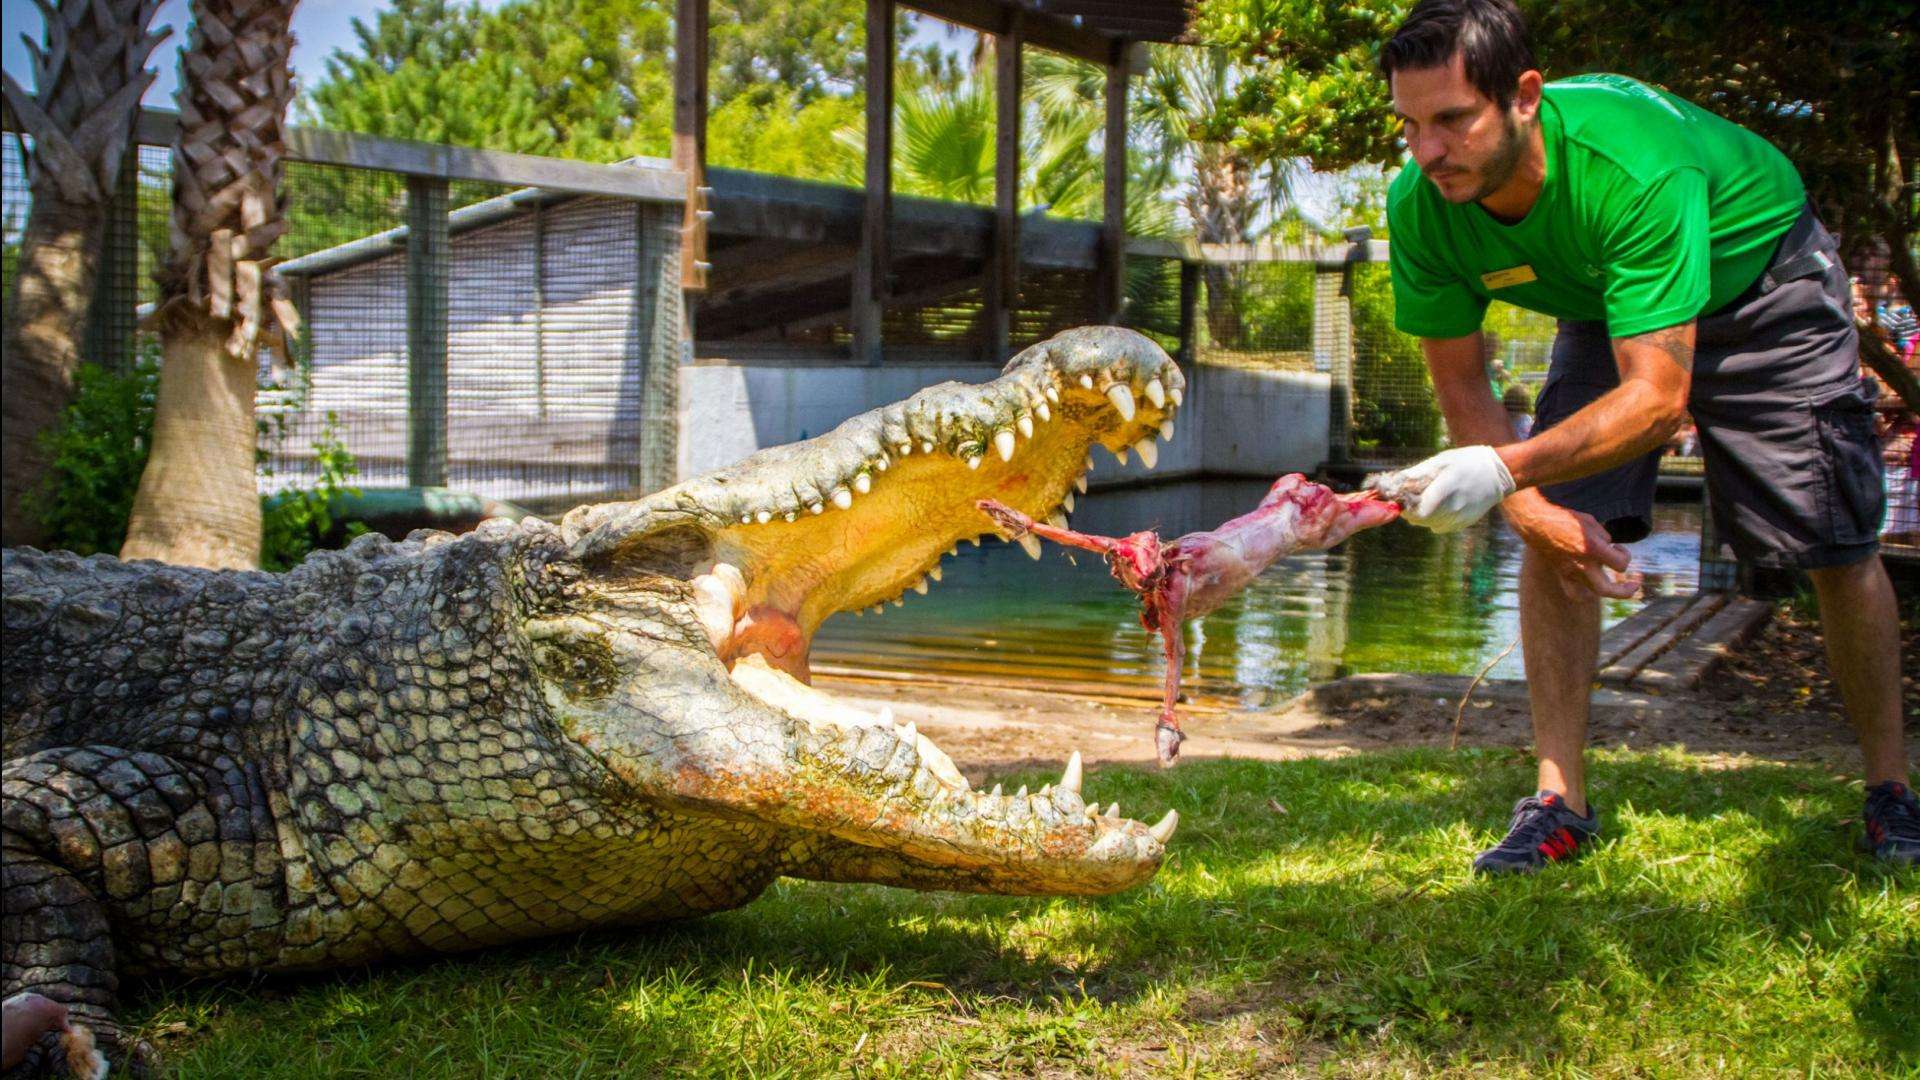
x=1860, y=620
x=1561, y=638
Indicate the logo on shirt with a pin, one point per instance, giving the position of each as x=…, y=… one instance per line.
x=1511, y=276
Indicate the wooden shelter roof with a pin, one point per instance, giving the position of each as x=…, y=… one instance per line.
x=1089, y=29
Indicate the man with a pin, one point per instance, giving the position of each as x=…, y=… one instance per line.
x=1689, y=276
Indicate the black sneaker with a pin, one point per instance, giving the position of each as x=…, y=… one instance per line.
x=1543, y=831
x=1893, y=824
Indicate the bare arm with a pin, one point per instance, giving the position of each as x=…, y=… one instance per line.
x=1466, y=399
x=1649, y=405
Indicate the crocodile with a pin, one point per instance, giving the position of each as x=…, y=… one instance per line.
x=449, y=742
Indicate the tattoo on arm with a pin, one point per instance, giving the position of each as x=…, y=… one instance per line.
x=1675, y=341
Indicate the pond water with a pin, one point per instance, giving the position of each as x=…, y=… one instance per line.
x=1397, y=598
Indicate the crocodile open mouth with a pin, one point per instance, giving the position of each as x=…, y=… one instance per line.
x=861, y=515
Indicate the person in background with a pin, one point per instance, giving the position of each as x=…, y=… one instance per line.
x=1519, y=406
x=1895, y=316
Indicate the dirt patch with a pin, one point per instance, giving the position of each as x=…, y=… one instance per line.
x=1773, y=699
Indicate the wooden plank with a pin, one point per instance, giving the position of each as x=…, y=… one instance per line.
x=870, y=285
x=651, y=179
x=1003, y=290
x=690, y=136
x=1637, y=627
x=1113, y=185
x=1686, y=664
x=1697, y=611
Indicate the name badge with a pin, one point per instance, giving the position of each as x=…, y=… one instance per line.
x=1511, y=276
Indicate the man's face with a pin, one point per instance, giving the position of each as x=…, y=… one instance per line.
x=1464, y=142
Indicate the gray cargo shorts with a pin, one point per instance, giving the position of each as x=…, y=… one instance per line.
x=1793, y=468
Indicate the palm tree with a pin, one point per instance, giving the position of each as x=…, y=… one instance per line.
x=198, y=504
x=88, y=80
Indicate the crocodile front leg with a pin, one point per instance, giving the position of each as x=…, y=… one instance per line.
x=97, y=836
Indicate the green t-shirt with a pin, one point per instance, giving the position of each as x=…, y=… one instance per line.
x=1653, y=211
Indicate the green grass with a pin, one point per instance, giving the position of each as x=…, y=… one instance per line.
x=1725, y=925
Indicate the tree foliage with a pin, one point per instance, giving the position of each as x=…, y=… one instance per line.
x=1838, y=93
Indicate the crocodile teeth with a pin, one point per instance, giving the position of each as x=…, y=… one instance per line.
x=1070, y=780
x=746, y=519
x=1080, y=484
x=904, y=449
x=789, y=515
x=863, y=483
x=1093, y=810
x=1122, y=397
x=880, y=463
x=926, y=447
x=1088, y=467
x=936, y=573
x=900, y=601
x=995, y=792
x=1086, y=382
x=953, y=550
x=1177, y=396
x=843, y=498
x=879, y=609
x=1149, y=452
x=1046, y=414
x=1166, y=430
x=1120, y=455
x=908, y=732
x=1113, y=810
x=1057, y=519
x=1156, y=393
x=920, y=586
x=1163, y=832
x=973, y=462
x=1003, y=442
x=974, y=540
x=763, y=516
x=1031, y=545
x=1022, y=793
x=815, y=508
x=1052, y=394
x=1066, y=502
x=1025, y=424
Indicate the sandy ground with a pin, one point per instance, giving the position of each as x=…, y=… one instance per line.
x=1773, y=700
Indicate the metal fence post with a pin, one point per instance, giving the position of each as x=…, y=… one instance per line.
x=659, y=305
x=112, y=311
x=1333, y=353
x=428, y=256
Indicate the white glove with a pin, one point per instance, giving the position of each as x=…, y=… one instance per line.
x=1455, y=488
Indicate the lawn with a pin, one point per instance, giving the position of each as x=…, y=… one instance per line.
x=1314, y=917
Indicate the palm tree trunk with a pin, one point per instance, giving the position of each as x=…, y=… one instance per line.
x=88, y=78
x=198, y=503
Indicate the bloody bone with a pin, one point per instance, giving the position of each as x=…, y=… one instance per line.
x=1188, y=577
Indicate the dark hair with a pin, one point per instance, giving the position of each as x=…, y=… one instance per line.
x=1489, y=35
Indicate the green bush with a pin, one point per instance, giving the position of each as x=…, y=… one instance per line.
x=97, y=451
x=295, y=523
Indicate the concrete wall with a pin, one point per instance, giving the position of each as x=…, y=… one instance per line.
x=1235, y=423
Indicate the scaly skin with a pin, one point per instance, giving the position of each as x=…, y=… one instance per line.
x=1190, y=576
x=446, y=743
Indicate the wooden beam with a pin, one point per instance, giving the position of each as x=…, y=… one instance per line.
x=690, y=136
x=429, y=261
x=652, y=179
x=1189, y=311
x=1112, y=277
x=870, y=285
x=1003, y=287
x=1041, y=29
